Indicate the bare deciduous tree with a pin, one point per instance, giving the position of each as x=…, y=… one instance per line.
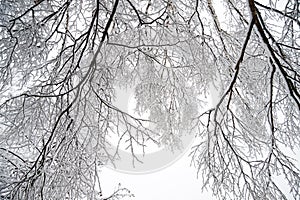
x=61, y=62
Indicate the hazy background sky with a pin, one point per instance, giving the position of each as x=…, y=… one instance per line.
x=177, y=182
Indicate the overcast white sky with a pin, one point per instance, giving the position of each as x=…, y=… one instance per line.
x=177, y=182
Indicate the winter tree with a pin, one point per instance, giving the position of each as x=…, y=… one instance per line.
x=61, y=61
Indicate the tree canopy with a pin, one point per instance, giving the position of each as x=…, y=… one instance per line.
x=61, y=62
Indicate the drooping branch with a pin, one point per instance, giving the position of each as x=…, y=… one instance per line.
x=229, y=90
x=293, y=91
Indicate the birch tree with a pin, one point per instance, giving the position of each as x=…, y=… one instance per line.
x=61, y=62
